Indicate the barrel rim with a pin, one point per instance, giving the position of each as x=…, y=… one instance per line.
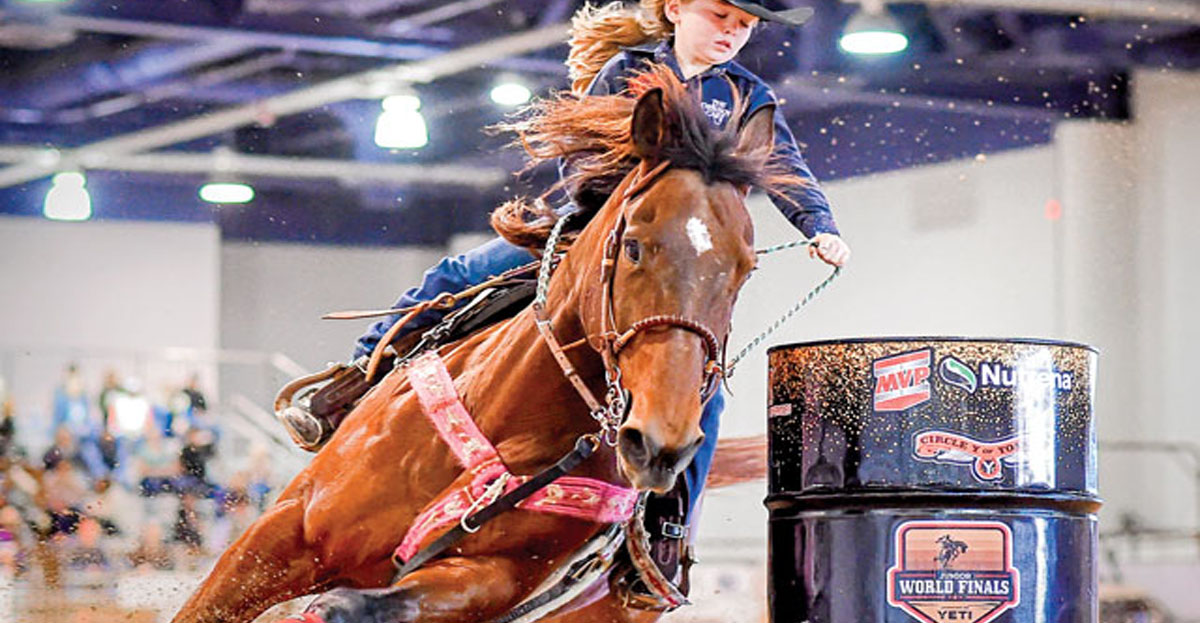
x=783, y=504
x=937, y=338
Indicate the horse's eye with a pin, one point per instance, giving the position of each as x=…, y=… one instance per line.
x=633, y=250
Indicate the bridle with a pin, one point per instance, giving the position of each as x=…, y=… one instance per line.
x=612, y=413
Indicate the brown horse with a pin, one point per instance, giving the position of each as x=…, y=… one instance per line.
x=683, y=241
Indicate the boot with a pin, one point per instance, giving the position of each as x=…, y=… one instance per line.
x=666, y=524
x=315, y=410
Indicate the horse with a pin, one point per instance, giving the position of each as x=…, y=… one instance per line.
x=645, y=291
x=950, y=550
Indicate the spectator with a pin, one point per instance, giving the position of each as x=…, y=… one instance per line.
x=197, y=451
x=105, y=504
x=87, y=555
x=110, y=389
x=196, y=400
x=64, y=493
x=188, y=408
x=187, y=524
x=8, y=427
x=156, y=463
x=71, y=406
x=12, y=555
x=151, y=552
x=128, y=411
x=83, y=454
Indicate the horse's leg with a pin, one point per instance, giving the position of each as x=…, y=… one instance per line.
x=607, y=609
x=268, y=564
x=446, y=590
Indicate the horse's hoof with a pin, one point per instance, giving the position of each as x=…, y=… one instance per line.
x=346, y=605
x=340, y=605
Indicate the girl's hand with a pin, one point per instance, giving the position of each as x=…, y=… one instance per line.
x=830, y=248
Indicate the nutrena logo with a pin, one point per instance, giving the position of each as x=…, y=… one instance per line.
x=955, y=372
x=902, y=381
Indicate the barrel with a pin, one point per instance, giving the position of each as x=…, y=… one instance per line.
x=932, y=479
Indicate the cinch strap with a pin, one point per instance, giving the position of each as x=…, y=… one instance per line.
x=580, y=498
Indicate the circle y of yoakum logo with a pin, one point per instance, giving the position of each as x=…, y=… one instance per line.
x=952, y=371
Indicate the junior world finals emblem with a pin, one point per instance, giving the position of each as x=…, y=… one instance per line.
x=953, y=571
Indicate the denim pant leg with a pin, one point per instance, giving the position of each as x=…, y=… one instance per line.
x=697, y=472
x=452, y=274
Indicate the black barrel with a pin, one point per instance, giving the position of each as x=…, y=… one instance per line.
x=932, y=479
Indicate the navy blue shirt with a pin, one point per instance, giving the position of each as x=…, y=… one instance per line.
x=810, y=213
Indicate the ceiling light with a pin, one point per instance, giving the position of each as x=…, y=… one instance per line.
x=401, y=125
x=511, y=93
x=873, y=32
x=227, y=192
x=68, y=199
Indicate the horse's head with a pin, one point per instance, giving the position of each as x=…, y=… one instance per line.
x=653, y=276
x=678, y=251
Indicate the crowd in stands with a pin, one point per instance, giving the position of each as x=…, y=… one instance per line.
x=125, y=482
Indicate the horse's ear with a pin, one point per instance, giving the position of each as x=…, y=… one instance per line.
x=756, y=139
x=647, y=125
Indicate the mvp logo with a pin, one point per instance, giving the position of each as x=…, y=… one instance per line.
x=902, y=381
x=953, y=571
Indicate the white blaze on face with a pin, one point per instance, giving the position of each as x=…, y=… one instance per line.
x=697, y=232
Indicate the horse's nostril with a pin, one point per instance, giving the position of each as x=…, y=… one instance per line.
x=634, y=446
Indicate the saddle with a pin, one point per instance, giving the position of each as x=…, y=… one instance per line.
x=334, y=401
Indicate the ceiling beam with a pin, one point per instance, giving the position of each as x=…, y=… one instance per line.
x=229, y=163
x=353, y=86
x=353, y=46
x=1158, y=10
x=440, y=13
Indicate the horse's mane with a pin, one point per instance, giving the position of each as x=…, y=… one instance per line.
x=592, y=134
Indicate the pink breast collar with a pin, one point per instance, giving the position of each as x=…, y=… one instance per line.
x=581, y=498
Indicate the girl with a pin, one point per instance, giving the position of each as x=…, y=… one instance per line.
x=698, y=40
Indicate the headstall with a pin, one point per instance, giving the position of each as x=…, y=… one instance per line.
x=613, y=411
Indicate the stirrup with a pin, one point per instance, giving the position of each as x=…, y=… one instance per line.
x=292, y=409
x=305, y=429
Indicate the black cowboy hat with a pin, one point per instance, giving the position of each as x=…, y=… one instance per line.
x=787, y=17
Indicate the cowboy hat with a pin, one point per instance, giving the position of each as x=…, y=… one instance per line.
x=788, y=17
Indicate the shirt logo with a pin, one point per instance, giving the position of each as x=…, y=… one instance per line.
x=717, y=110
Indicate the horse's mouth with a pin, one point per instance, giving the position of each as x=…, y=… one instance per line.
x=656, y=480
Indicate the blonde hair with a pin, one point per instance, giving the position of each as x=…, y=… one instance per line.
x=593, y=133
x=599, y=32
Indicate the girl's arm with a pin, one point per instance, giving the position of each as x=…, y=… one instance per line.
x=808, y=209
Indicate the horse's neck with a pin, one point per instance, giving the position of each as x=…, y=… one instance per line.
x=516, y=386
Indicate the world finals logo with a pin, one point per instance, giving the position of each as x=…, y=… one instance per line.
x=953, y=571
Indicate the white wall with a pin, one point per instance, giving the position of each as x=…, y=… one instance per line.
x=1167, y=162
x=104, y=293
x=273, y=295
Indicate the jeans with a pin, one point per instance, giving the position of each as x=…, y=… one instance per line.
x=454, y=274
